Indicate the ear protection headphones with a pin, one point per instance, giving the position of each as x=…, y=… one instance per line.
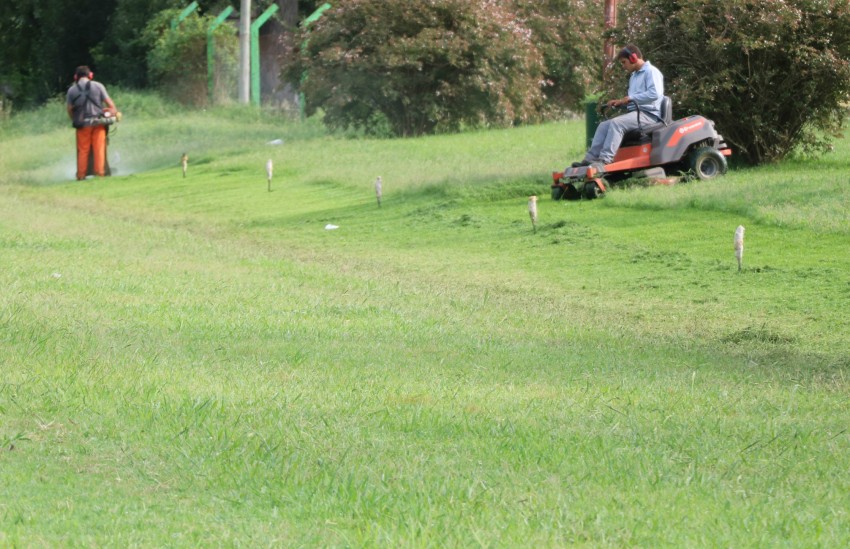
x=633, y=58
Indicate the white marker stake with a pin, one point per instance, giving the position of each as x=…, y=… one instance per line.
x=269, y=170
x=532, y=211
x=739, y=246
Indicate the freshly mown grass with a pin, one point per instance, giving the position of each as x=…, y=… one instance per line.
x=199, y=362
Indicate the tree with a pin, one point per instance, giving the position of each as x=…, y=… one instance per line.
x=122, y=54
x=41, y=42
x=569, y=35
x=408, y=67
x=285, y=22
x=177, y=59
x=772, y=74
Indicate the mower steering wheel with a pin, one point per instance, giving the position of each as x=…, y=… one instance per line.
x=610, y=112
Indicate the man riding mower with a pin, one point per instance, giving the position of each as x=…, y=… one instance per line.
x=690, y=144
x=625, y=143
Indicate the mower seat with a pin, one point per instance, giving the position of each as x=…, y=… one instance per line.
x=643, y=135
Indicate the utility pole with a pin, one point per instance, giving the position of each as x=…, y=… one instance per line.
x=245, y=53
x=610, y=23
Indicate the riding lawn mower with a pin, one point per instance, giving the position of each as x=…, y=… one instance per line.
x=688, y=145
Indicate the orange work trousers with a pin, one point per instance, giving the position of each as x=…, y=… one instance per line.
x=91, y=139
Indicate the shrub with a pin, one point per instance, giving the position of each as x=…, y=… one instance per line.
x=569, y=35
x=122, y=54
x=418, y=66
x=177, y=58
x=773, y=74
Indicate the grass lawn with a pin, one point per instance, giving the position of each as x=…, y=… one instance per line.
x=199, y=361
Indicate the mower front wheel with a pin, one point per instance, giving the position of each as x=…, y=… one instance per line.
x=707, y=163
x=592, y=190
x=557, y=192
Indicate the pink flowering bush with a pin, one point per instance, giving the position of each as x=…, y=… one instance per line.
x=410, y=67
x=569, y=35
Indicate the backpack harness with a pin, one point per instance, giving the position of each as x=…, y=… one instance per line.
x=80, y=120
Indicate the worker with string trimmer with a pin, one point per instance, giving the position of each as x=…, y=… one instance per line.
x=91, y=111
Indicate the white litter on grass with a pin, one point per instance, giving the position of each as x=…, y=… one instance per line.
x=275, y=142
x=330, y=227
x=56, y=275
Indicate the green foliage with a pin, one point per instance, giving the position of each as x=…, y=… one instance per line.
x=177, y=57
x=42, y=41
x=123, y=52
x=138, y=105
x=773, y=74
x=421, y=66
x=52, y=115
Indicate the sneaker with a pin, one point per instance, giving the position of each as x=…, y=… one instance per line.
x=582, y=163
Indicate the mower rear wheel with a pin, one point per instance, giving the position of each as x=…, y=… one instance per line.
x=707, y=163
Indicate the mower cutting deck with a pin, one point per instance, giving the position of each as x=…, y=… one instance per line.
x=687, y=145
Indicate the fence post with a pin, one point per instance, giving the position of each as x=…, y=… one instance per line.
x=184, y=14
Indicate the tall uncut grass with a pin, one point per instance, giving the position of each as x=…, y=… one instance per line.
x=200, y=361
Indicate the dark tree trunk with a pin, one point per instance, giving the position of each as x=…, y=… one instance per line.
x=276, y=92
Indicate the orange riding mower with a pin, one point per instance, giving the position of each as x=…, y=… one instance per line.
x=689, y=145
